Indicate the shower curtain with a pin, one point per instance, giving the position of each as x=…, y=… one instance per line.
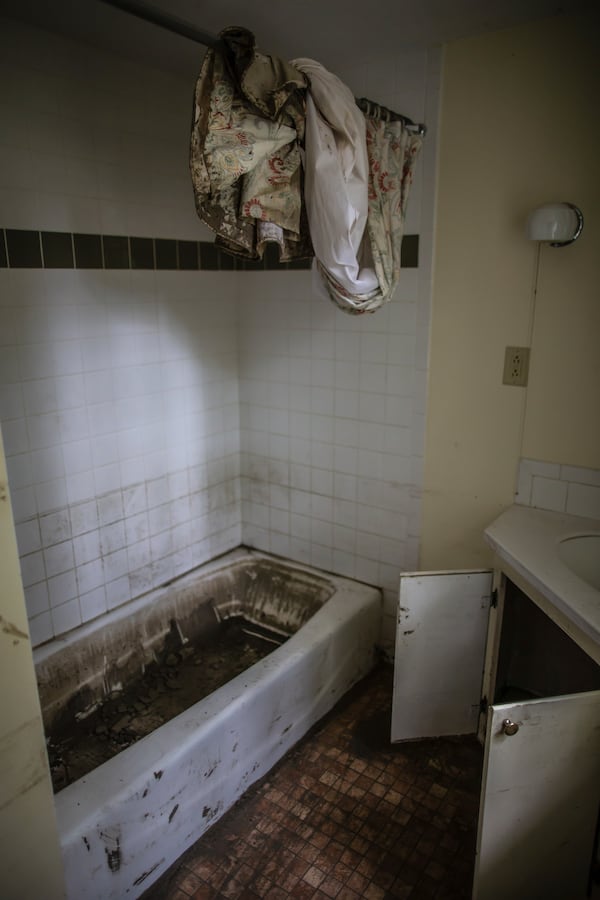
x=392, y=151
x=255, y=118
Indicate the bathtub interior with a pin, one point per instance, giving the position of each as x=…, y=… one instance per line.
x=95, y=662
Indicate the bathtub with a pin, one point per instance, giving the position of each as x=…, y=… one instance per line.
x=123, y=824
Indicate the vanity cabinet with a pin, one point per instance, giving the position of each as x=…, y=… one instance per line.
x=485, y=652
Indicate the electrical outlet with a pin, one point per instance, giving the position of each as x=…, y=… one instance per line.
x=516, y=366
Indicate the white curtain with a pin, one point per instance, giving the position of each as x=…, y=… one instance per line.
x=358, y=173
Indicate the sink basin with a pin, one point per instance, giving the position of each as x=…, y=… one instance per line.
x=581, y=554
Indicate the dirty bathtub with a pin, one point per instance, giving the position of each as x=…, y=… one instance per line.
x=129, y=819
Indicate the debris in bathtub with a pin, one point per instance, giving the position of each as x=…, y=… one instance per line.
x=158, y=775
x=58, y=766
x=84, y=713
x=174, y=638
x=87, y=843
x=172, y=813
x=83, y=738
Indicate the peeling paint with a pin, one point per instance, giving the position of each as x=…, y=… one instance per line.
x=112, y=847
x=209, y=813
x=12, y=630
x=144, y=875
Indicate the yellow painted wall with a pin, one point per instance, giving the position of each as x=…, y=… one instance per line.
x=29, y=849
x=519, y=127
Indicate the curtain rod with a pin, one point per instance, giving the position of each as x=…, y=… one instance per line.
x=179, y=26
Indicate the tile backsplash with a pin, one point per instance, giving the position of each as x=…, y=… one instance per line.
x=559, y=488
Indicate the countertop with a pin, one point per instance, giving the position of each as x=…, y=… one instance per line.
x=527, y=540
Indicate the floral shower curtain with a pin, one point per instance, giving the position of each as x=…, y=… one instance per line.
x=255, y=118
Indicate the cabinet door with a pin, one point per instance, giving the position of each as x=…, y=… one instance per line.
x=440, y=649
x=539, y=799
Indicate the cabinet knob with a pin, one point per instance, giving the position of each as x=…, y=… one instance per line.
x=509, y=727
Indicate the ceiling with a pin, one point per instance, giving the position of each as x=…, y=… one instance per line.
x=331, y=31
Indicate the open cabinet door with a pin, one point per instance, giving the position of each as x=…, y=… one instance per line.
x=440, y=649
x=539, y=799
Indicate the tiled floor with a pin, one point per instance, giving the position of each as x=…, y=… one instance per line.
x=345, y=815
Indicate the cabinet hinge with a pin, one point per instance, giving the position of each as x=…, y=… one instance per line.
x=494, y=598
x=483, y=705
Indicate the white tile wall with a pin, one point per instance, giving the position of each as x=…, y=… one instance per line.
x=113, y=494
x=118, y=389
x=559, y=488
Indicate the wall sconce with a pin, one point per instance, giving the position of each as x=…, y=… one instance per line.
x=557, y=223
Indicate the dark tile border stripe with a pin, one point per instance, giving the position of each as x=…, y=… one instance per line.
x=3, y=256
x=24, y=249
x=21, y=248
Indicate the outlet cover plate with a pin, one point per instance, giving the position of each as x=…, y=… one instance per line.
x=516, y=366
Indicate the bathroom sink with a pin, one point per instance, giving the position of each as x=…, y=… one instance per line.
x=556, y=556
x=581, y=554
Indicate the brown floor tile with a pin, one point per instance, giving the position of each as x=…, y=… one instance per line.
x=348, y=894
x=188, y=883
x=345, y=816
x=203, y=893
